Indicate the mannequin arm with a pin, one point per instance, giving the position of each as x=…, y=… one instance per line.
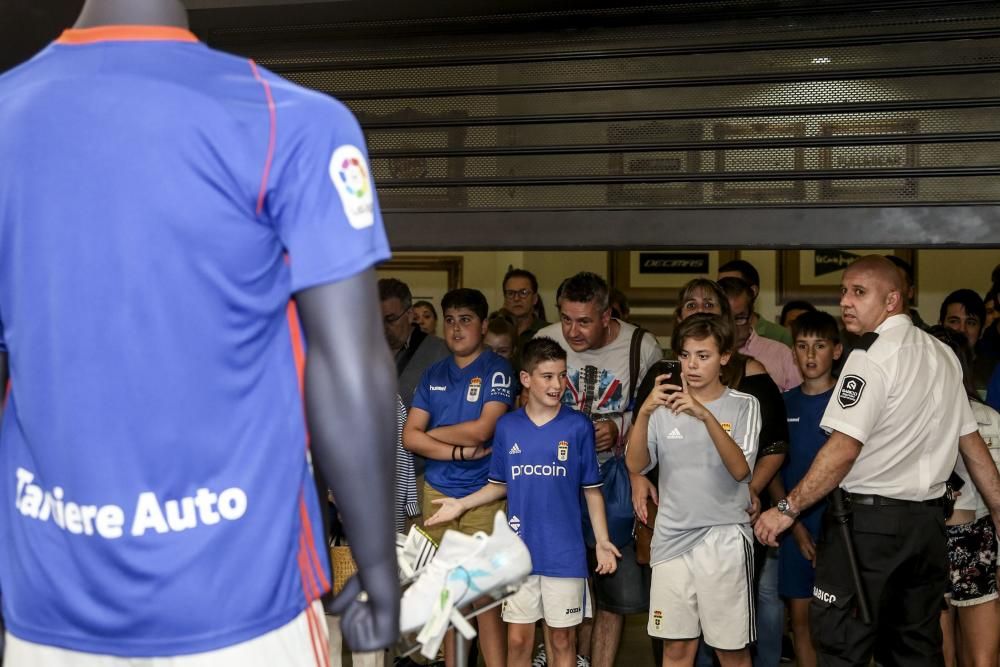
x=350, y=389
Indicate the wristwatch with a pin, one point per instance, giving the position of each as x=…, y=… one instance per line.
x=785, y=508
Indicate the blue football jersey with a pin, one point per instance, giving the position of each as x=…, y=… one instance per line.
x=161, y=202
x=545, y=467
x=452, y=395
x=805, y=439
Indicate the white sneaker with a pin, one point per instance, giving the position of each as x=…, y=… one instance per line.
x=465, y=568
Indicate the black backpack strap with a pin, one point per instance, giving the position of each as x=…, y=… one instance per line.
x=635, y=347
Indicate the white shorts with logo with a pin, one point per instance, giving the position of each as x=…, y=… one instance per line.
x=563, y=602
x=707, y=590
x=303, y=642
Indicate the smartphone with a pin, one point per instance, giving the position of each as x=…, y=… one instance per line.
x=673, y=368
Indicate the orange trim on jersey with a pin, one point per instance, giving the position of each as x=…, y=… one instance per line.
x=126, y=33
x=272, y=135
x=311, y=545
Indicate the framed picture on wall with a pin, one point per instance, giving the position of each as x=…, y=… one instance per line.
x=814, y=275
x=736, y=160
x=653, y=277
x=406, y=162
x=886, y=156
x=653, y=163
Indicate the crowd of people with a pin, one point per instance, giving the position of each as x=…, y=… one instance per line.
x=742, y=425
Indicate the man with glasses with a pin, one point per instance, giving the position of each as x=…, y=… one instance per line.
x=520, y=298
x=744, y=270
x=413, y=349
x=776, y=357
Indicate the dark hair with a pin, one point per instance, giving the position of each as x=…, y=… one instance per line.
x=816, y=323
x=520, y=273
x=389, y=288
x=701, y=326
x=795, y=305
x=744, y=268
x=538, y=350
x=971, y=301
x=905, y=266
x=959, y=344
x=502, y=326
x=502, y=314
x=464, y=297
x=704, y=285
x=992, y=296
x=585, y=287
x=734, y=287
x=423, y=303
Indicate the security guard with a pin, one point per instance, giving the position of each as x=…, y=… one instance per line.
x=897, y=420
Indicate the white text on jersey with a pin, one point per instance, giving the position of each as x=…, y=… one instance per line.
x=537, y=470
x=108, y=521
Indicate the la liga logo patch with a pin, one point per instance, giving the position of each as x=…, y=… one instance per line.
x=850, y=391
x=350, y=176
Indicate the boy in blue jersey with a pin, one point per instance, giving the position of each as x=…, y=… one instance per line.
x=455, y=410
x=704, y=437
x=817, y=348
x=544, y=455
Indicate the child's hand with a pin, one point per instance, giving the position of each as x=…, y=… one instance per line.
x=682, y=401
x=662, y=389
x=805, y=543
x=607, y=557
x=754, y=508
x=451, y=509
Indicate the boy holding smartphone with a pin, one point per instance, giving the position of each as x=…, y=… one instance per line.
x=704, y=436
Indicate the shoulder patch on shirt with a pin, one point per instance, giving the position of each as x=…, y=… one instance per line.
x=350, y=175
x=850, y=391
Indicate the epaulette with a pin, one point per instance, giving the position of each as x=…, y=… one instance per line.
x=866, y=341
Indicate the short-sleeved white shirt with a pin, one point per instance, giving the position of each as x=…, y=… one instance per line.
x=903, y=399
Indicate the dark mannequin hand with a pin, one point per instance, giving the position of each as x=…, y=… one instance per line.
x=369, y=623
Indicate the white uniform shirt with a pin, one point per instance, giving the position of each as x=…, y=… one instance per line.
x=904, y=400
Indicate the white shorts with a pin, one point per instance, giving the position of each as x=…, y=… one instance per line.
x=708, y=590
x=563, y=602
x=303, y=642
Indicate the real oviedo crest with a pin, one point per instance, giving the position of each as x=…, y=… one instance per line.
x=563, y=450
x=475, y=386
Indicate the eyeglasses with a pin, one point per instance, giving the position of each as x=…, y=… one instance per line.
x=392, y=319
x=517, y=293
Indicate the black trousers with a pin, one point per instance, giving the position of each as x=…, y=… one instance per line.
x=902, y=556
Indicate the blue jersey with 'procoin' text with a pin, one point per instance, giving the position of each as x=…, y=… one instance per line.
x=544, y=468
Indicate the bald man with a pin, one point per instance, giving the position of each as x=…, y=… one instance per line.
x=897, y=421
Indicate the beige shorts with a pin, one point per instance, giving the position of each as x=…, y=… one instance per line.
x=563, y=602
x=303, y=642
x=473, y=521
x=707, y=590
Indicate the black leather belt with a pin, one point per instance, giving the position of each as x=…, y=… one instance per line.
x=882, y=501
